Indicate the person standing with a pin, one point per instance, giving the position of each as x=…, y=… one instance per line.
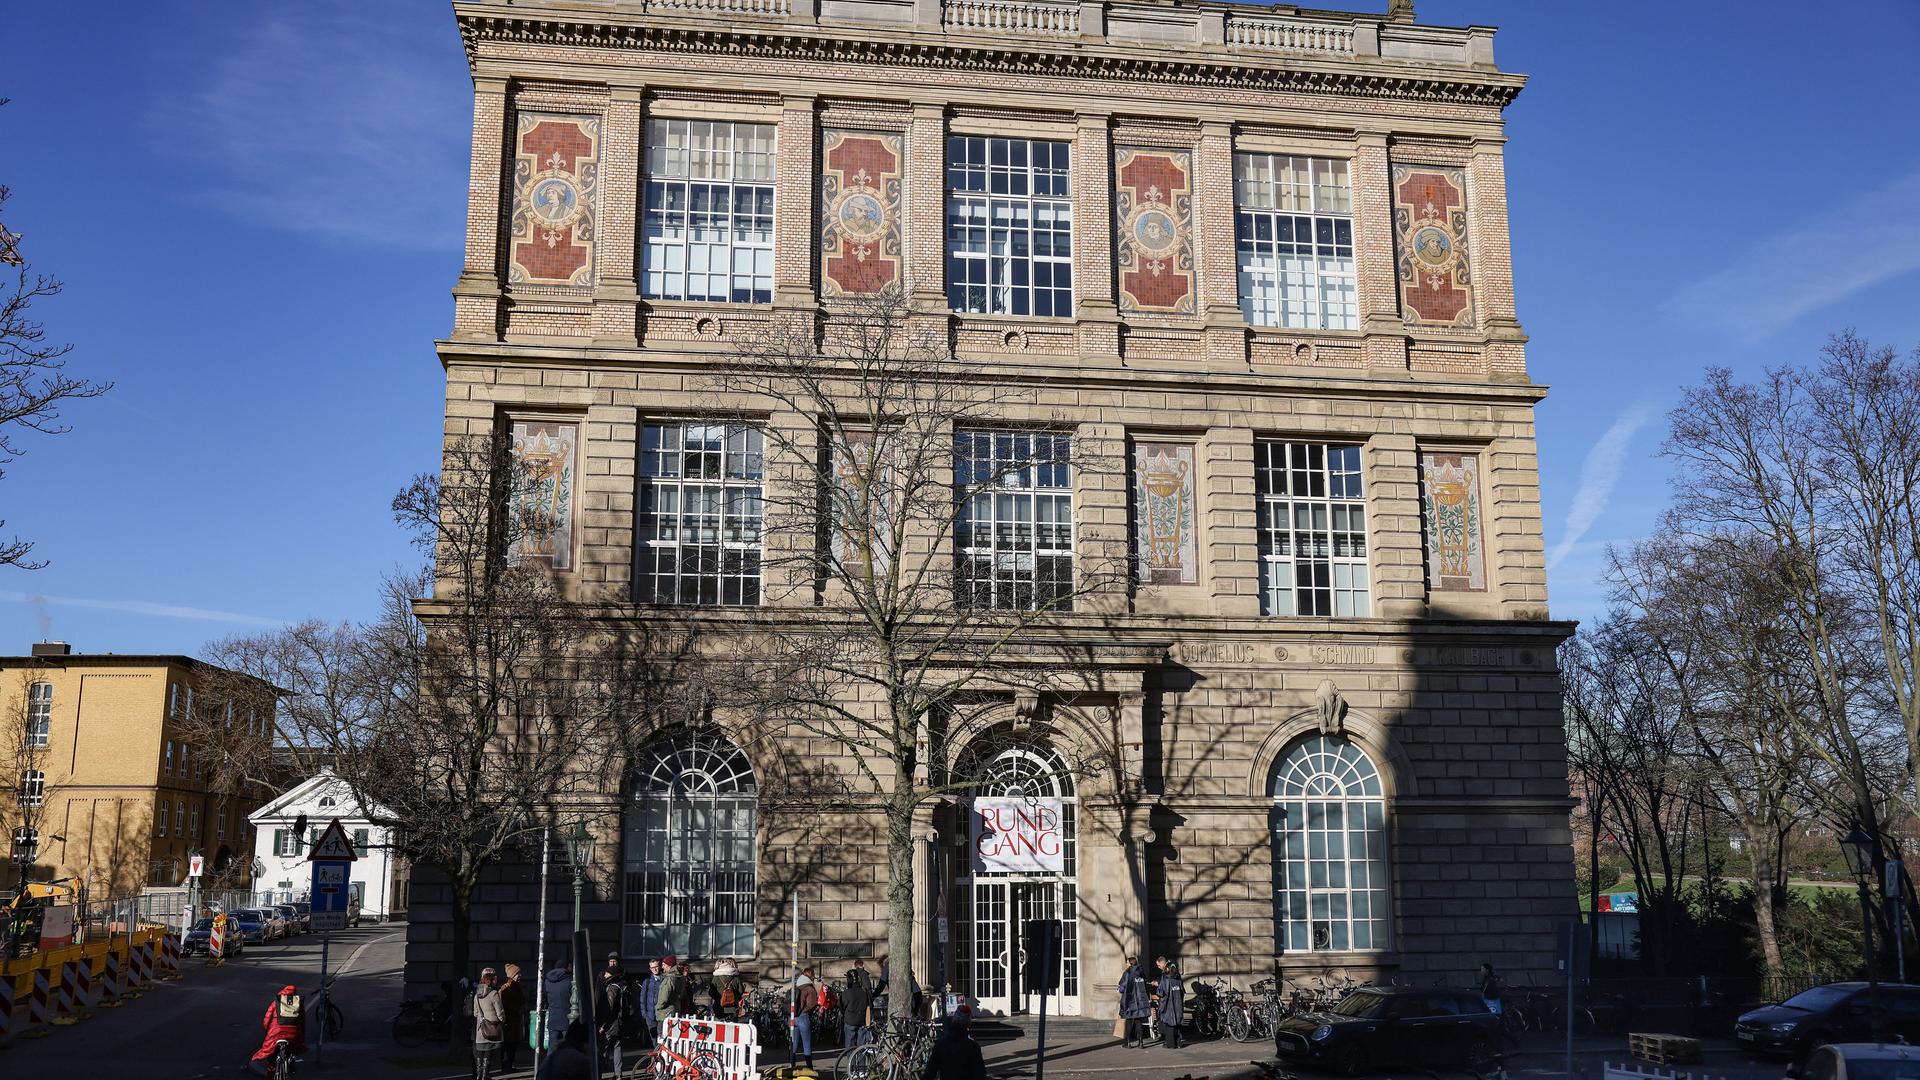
x=513, y=1005
x=956, y=1056
x=614, y=1013
x=729, y=991
x=650, y=999
x=673, y=985
x=1136, y=1002
x=559, y=997
x=806, y=998
x=854, y=1004
x=489, y=1024
x=1172, y=997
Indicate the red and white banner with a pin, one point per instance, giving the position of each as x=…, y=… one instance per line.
x=1021, y=836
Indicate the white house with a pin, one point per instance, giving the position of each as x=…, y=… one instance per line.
x=379, y=876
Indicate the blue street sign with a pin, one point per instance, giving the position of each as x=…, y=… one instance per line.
x=332, y=859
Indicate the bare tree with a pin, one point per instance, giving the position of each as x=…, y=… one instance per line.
x=34, y=383
x=27, y=758
x=890, y=615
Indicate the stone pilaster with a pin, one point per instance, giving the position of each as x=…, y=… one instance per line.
x=1100, y=518
x=1219, y=273
x=1230, y=546
x=476, y=296
x=1396, y=563
x=1096, y=316
x=1378, y=281
x=1490, y=247
x=793, y=199
x=616, y=296
x=1516, y=550
x=924, y=206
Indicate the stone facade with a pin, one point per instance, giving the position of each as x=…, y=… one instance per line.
x=1445, y=680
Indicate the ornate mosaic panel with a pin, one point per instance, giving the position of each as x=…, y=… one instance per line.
x=1153, y=229
x=1163, y=496
x=859, y=211
x=1430, y=228
x=556, y=170
x=1450, y=495
x=544, y=455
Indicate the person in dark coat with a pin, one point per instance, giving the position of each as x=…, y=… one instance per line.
x=858, y=997
x=513, y=1004
x=956, y=1056
x=1136, y=1002
x=569, y=1060
x=1172, y=1003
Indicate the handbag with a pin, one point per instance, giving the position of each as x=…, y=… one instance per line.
x=1119, y=1027
x=490, y=1031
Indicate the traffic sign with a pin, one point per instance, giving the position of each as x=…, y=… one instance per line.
x=195, y=864
x=333, y=845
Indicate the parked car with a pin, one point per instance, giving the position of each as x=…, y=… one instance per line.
x=1834, y=1013
x=1389, y=1026
x=1863, y=1061
x=253, y=923
x=305, y=911
x=197, y=938
x=290, y=915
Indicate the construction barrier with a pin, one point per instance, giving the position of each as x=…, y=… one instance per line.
x=6, y=1009
x=142, y=965
x=731, y=1050
x=60, y=987
x=170, y=957
x=112, y=980
x=39, y=1007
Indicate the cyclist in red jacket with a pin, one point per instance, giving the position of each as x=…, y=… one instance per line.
x=285, y=1022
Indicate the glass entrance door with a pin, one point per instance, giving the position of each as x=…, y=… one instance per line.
x=996, y=961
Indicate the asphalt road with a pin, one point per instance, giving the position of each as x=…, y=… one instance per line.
x=208, y=1023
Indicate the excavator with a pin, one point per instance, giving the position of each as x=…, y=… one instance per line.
x=22, y=916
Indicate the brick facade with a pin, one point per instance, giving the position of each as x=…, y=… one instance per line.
x=1450, y=691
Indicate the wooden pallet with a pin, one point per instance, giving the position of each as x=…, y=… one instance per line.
x=1664, y=1049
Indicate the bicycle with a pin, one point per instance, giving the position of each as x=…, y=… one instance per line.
x=900, y=1053
x=281, y=1065
x=332, y=1020
x=420, y=1021
x=665, y=1064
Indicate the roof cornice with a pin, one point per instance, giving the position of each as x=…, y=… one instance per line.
x=1172, y=64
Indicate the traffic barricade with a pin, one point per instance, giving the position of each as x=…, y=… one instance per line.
x=731, y=1049
x=170, y=956
x=6, y=1005
x=112, y=980
x=39, y=1006
x=142, y=966
x=64, y=1008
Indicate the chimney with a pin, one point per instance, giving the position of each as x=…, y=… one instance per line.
x=53, y=648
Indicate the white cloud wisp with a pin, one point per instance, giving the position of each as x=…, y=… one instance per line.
x=1599, y=474
x=142, y=607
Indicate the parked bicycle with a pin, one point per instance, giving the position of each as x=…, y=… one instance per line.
x=900, y=1053
x=420, y=1021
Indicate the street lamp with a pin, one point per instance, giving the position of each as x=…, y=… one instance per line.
x=580, y=854
x=1857, y=846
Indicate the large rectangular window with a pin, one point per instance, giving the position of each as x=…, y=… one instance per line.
x=39, y=715
x=699, y=527
x=1313, y=529
x=33, y=788
x=1009, y=226
x=1294, y=222
x=1013, y=542
x=709, y=211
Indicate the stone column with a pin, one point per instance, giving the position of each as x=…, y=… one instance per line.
x=1397, y=568
x=1219, y=271
x=616, y=296
x=1096, y=316
x=793, y=200
x=1230, y=549
x=923, y=894
x=476, y=295
x=1490, y=248
x=1374, y=267
x=924, y=210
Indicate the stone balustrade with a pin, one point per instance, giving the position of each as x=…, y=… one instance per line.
x=758, y=8
x=1281, y=34
x=1012, y=17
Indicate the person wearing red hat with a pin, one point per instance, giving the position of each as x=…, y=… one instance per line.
x=285, y=1022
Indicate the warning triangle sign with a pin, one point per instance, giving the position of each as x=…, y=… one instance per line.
x=333, y=845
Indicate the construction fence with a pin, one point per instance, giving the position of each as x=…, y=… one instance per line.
x=60, y=987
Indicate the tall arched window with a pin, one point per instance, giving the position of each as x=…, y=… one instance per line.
x=1329, y=824
x=689, y=861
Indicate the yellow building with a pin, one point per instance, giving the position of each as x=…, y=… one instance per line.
x=107, y=768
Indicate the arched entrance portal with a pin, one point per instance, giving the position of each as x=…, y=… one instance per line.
x=994, y=906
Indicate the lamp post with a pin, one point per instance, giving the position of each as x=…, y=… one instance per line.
x=1857, y=846
x=580, y=854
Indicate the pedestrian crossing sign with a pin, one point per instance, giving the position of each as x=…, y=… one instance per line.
x=333, y=845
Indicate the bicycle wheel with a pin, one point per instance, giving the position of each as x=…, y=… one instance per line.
x=1239, y=1027
x=858, y=1063
x=336, y=1020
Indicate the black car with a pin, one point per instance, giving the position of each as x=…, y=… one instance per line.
x=1834, y=1013
x=198, y=937
x=253, y=923
x=1388, y=1026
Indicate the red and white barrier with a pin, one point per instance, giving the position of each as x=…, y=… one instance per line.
x=113, y=983
x=170, y=956
x=733, y=1046
x=6, y=1008
x=39, y=1006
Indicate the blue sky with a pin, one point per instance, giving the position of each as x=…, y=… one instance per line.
x=257, y=210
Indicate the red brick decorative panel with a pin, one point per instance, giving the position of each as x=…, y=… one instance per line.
x=1153, y=229
x=556, y=171
x=1430, y=230
x=860, y=175
x=1450, y=497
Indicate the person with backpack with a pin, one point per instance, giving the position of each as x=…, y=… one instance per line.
x=729, y=992
x=673, y=987
x=855, y=1003
x=284, y=1022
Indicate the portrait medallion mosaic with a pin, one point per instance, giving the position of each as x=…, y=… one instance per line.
x=1450, y=497
x=1430, y=229
x=859, y=211
x=1153, y=229
x=556, y=168
x=1163, y=494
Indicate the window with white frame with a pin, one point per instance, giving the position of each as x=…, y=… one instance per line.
x=33, y=787
x=166, y=760
x=1313, y=529
x=1013, y=542
x=179, y=818
x=193, y=821
x=1009, y=226
x=286, y=843
x=700, y=513
x=220, y=824
x=708, y=221
x=1294, y=221
x=184, y=755
x=39, y=715
x=160, y=819
x=689, y=857
x=1329, y=826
